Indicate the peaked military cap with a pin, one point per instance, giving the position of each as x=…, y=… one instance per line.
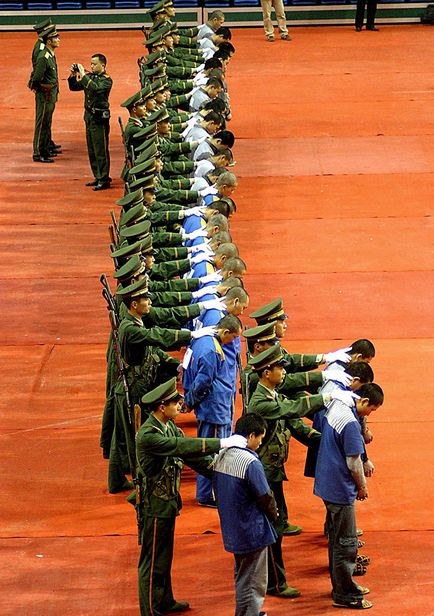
x=158, y=116
x=42, y=25
x=155, y=10
x=49, y=32
x=147, y=247
x=145, y=133
x=267, y=358
x=166, y=392
x=131, y=198
x=136, y=289
x=136, y=232
x=159, y=23
x=132, y=216
x=127, y=250
x=156, y=38
x=133, y=267
x=145, y=168
x=269, y=312
x=135, y=99
x=261, y=333
x=145, y=183
x=159, y=84
x=150, y=150
x=155, y=57
x=146, y=91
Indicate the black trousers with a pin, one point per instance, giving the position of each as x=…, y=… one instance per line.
x=276, y=567
x=370, y=14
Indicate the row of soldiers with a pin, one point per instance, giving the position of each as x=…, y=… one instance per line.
x=180, y=284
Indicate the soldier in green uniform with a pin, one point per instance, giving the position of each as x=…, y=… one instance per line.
x=96, y=86
x=283, y=420
x=162, y=451
x=44, y=81
x=146, y=364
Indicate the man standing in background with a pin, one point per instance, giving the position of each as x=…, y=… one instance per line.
x=97, y=86
x=279, y=9
x=44, y=82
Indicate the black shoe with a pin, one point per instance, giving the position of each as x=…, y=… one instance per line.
x=372, y=28
x=53, y=152
x=102, y=186
x=94, y=183
x=55, y=146
x=358, y=28
x=178, y=606
x=210, y=503
x=42, y=159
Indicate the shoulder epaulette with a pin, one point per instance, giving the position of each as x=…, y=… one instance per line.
x=47, y=55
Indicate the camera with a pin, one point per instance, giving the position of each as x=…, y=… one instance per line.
x=74, y=68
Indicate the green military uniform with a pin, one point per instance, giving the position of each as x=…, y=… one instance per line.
x=146, y=364
x=162, y=450
x=44, y=81
x=97, y=119
x=283, y=420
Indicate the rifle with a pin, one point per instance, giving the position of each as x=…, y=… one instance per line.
x=137, y=479
x=115, y=260
x=113, y=239
x=242, y=390
x=121, y=124
x=114, y=322
x=115, y=226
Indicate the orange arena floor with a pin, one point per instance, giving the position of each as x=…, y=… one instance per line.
x=335, y=158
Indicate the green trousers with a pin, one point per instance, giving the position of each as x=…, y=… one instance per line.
x=155, y=563
x=97, y=138
x=43, y=119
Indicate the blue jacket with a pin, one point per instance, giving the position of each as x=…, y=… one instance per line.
x=192, y=223
x=239, y=481
x=207, y=382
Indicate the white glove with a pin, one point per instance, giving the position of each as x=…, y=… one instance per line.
x=213, y=304
x=209, y=190
x=339, y=355
x=196, y=248
x=236, y=440
x=199, y=258
x=199, y=68
x=204, y=291
x=201, y=232
x=194, y=211
x=214, y=277
x=345, y=396
x=209, y=330
x=339, y=376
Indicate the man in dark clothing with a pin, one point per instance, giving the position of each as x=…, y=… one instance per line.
x=96, y=86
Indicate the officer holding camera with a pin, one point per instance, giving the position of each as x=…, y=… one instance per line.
x=96, y=86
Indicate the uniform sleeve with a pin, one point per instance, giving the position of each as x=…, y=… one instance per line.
x=174, y=317
x=281, y=407
x=38, y=74
x=156, y=444
x=97, y=85
x=74, y=84
x=157, y=336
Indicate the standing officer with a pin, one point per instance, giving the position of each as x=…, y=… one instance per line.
x=44, y=82
x=96, y=86
x=161, y=453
